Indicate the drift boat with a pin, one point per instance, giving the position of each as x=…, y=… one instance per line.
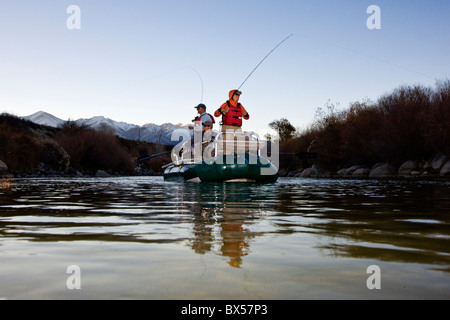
x=259, y=170
x=226, y=167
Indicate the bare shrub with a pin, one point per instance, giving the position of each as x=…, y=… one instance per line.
x=92, y=150
x=411, y=122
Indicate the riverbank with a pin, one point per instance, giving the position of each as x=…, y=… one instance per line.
x=404, y=133
x=29, y=149
x=436, y=168
x=380, y=171
x=139, y=171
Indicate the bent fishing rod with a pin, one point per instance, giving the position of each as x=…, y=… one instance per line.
x=264, y=59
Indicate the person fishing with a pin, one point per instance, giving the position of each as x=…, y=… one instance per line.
x=202, y=117
x=198, y=129
x=232, y=113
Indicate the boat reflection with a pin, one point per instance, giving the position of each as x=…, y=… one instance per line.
x=223, y=216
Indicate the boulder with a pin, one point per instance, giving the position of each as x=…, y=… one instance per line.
x=314, y=171
x=438, y=162
x=361, y=172
x=306, y=173
x=54, y=157
x=3, y=167
x=382, y=171
x=102, y=174
x=408, y=167
x=342, y=172
x=445, y=170
x=352, y=169
x=348, y=171
x=378, y=164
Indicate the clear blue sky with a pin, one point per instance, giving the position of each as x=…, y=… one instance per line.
x=140, y=61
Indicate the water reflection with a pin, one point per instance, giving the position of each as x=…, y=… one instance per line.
x=397, y=221
x=210, y=217
x=222, y=216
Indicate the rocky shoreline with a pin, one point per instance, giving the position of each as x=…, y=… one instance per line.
x=437, y=167
x=45, y=172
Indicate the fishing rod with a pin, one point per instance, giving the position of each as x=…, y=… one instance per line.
x=265, y=59
x=154, y=156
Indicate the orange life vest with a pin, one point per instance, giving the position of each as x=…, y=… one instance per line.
x=234, y=115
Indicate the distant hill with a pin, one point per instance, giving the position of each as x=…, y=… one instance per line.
x=40, y=149
x=160, y=134
x=44, y=118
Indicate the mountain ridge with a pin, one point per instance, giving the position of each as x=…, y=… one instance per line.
x=149, y=132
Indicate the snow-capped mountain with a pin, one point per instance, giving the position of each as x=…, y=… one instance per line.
x=149, y=132
x=100, y=122
x=45, y=118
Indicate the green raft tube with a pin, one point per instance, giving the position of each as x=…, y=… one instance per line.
x=230, y=168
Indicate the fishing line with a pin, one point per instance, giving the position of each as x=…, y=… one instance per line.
x=265, y=59
x=201, y=81
x=368, y=56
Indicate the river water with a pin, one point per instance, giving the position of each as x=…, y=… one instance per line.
x=143, y=238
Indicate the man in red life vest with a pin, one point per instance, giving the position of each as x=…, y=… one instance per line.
x=232, y=113
x=202, y=117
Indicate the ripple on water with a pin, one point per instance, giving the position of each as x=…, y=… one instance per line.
x=285, y=234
